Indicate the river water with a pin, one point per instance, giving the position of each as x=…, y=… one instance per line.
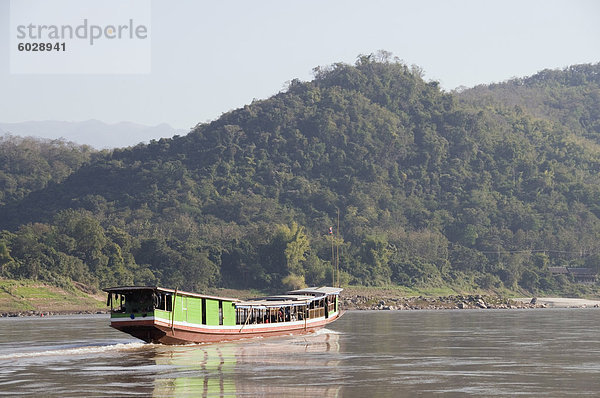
x=543, y=352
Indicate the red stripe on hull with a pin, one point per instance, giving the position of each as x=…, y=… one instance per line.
x=161, y=332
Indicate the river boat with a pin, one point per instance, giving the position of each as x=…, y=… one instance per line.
x=158, y=315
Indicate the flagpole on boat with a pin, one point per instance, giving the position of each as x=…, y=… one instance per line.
x=337, y=250
x=332, y=258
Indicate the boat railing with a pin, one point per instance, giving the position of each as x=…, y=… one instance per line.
x=316, y=313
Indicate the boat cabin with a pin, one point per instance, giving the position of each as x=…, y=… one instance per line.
x=137, y=302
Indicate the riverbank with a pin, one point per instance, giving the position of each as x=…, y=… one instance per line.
x=389, y=299
x=33, y=298
x=359, y=302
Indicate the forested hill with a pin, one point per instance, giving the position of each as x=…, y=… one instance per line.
x=569, y=97
x=484, y=188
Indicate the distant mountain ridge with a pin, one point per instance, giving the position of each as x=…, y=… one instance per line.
x=94, y=133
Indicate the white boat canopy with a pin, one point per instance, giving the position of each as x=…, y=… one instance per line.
x=317, y=291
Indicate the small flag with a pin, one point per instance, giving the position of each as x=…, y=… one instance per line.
x=330, y=230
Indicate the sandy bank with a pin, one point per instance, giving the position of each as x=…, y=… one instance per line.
x=561, y=302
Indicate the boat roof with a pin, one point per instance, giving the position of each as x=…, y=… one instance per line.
x=317, y=291
x=290, y=297
x=123, y=289
x=294, y=297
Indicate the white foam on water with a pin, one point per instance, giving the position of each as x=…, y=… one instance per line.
x=325, y=331
x=76, y=351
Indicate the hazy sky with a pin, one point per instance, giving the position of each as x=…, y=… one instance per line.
x=211, y=57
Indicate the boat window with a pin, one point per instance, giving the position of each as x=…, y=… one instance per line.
x=301, y=312
x=293, y=314
x=168, y=302
x=247, y=316
x=136, y=301
x=116, y=302
x=162, y=301
x=139, y=301
x=316, y=309
x=239, y=316
x=220, y=312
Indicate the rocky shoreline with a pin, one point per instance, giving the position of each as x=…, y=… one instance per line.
x=41, y=314
x=367, y=302
x=384, y=302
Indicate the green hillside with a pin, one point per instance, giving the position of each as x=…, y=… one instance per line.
x=485, y=188
x=28, y=297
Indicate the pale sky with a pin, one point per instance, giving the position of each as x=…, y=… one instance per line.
x=211, y=57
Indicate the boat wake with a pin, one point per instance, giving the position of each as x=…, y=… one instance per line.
x=325, y=331
x=75, y=351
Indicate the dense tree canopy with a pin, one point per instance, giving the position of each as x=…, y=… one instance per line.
x=487, y=187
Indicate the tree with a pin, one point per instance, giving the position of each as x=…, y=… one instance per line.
x=296, y=248
x=529, y=280
x=374, y=252
x=5, y=259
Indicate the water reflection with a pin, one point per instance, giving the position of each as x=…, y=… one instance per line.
x=288, y=366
